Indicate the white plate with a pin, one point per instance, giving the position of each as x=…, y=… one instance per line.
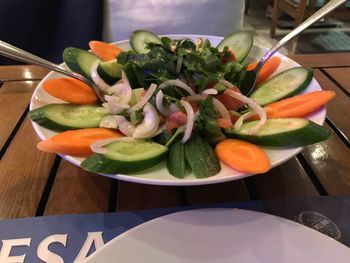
x=221, y=236
x=159, y=174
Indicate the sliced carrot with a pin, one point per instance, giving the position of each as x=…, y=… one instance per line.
x=300, y=105
x=267, y=70
x=76, y=142
x=104, y=50
x=70, y=90
x=242, y=156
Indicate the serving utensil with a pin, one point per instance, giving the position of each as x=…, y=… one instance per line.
x=248, y=83
x=18, y=54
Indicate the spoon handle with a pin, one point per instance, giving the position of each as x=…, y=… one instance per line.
x=18, y=54
x=329, y=7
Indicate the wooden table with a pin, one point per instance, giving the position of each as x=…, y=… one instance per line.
x=34, y=183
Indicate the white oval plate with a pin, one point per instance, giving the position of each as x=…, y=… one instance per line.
x=221, y=236
x=159, y=174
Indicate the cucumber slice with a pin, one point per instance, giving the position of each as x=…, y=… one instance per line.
x=62, y=117
x=239, y=42
x=79, y=60
x=284, y=132
x=110, y=71
x=176, y=162
x=284, y=85
x=201, y=158
x=127, y=156
x=140, y=38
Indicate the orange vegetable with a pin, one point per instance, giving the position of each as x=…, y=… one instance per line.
x=242, y=156
x=104, y=50
x=300, y=105
x=70, y=90
x=76, y=142
x=267, y=70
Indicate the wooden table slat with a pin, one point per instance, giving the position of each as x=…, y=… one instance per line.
x=24, y=72
x=23, y=173
x=132, y=196
x=338, y=109
x=286, y=180
x=322, y=60
x=330, y=161
x=14, y=98
x=341, y=76
x=77, y=191
x=217, y=193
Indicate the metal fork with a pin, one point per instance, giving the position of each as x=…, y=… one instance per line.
x=248, y=83
x=18, y=54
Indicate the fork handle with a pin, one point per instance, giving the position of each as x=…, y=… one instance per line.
x=18, y=54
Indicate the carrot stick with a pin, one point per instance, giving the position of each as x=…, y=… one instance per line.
x=267, y=70
x=300, y=105
x=76, y=142
x=104, y=50
x=242, y=156
x=70, y=90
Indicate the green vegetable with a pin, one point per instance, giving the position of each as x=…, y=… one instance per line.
x=176, y=161
x=239, y=42
x=79, y=60
x=136, y=117
x=140, y=38
x=206, y=122
x=129, y=156
x=284, y=132
x=201, y=157
x=110, y=71
x=283, y=85
x=62, y=117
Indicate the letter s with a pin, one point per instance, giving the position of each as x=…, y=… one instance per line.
x=43, y=249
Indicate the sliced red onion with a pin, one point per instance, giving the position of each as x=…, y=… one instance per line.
x=97, y=79
x=144, y=99
x=210, y=91
x=251, y=103
x=149, y=124
x=125, y=126
x=122, y=92
x=97, y=146
x=176, y=83
x=242, y=118
x=160, y=106
x=113, y=106
x=179, y=65
x=190, y=120
x=221, y=109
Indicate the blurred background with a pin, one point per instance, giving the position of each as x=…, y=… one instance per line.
x=45, y=28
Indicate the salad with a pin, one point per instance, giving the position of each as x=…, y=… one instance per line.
x=178, y=101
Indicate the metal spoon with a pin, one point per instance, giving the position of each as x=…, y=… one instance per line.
x=18, y=54
x=248, y=83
